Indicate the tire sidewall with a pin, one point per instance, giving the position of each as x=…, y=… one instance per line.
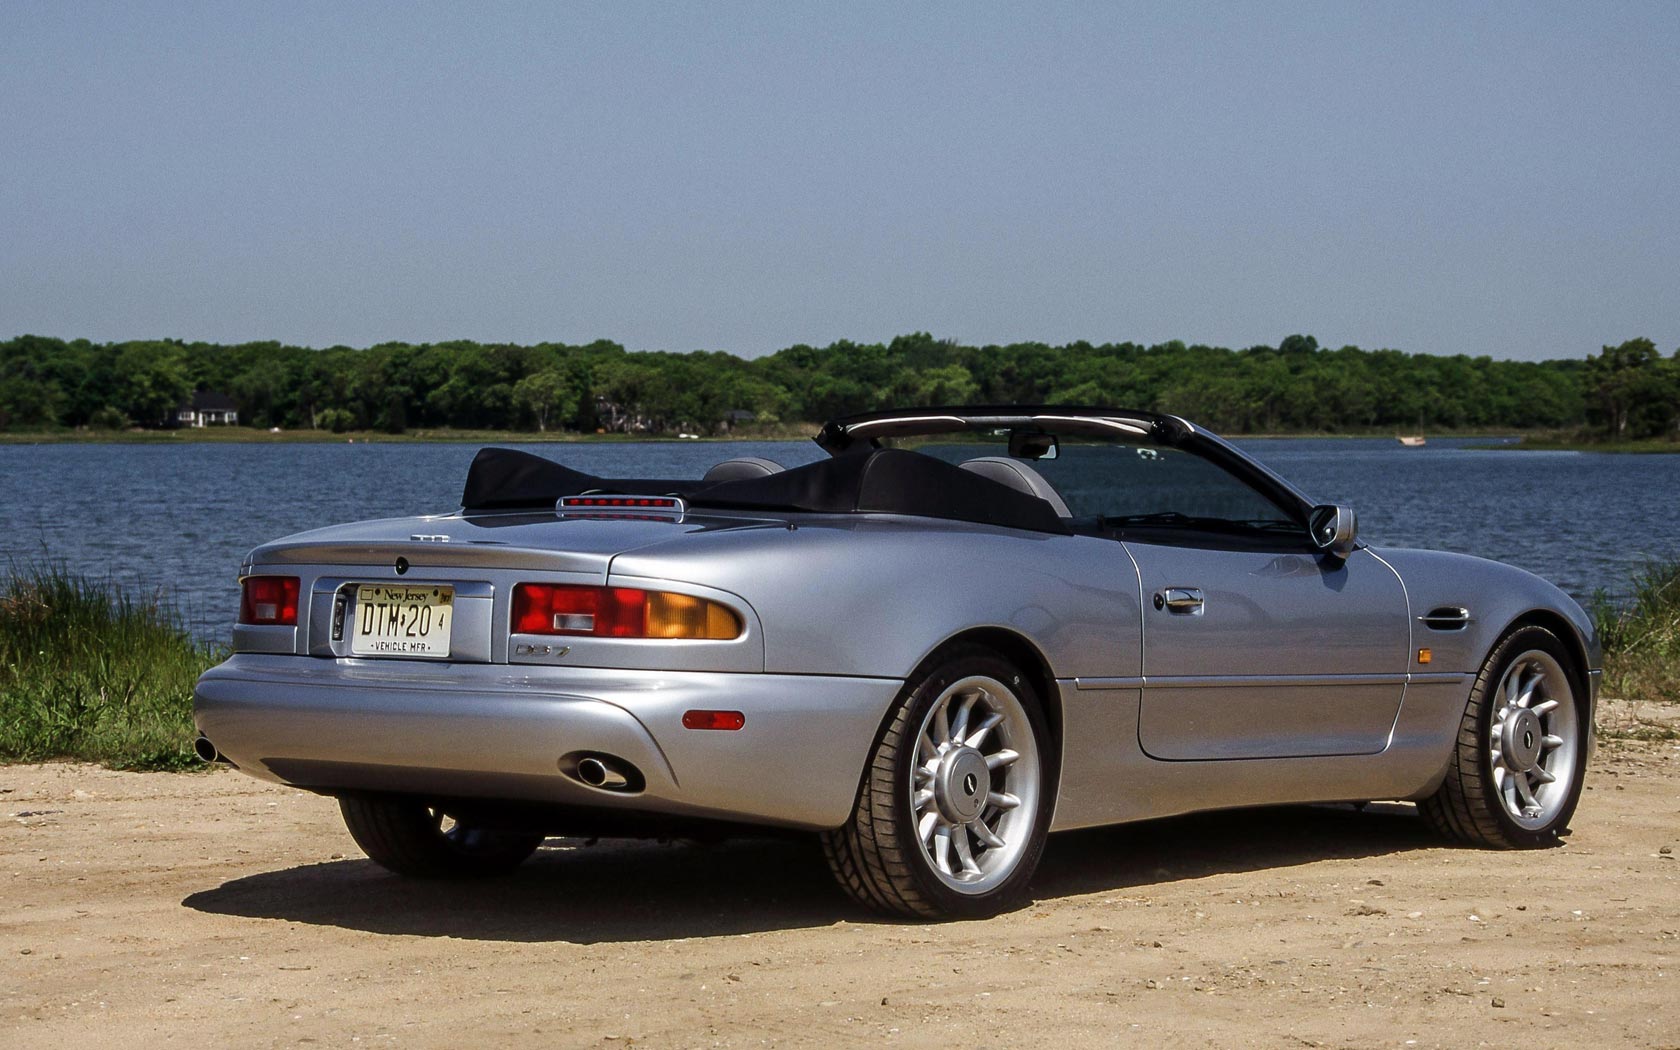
x=403, y=836
x=1520, y=641
x=493, y=852
x=919, y=702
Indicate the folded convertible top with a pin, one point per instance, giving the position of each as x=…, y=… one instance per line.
x=874, y=481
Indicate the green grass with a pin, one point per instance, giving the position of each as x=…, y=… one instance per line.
x=89, y=672
x=1642, y=637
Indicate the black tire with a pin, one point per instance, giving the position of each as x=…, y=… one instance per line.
x=412, y=839
x=1470, y=806
x=878, y=855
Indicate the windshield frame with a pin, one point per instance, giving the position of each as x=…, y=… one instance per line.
x=865, y=430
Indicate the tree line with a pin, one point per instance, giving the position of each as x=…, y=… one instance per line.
x=1627, y=391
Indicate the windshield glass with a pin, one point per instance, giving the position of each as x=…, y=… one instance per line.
x=1123, y=482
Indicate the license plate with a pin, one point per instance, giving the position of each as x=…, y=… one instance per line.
x=400, y=620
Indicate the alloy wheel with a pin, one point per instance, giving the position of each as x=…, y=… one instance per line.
x=974, y=790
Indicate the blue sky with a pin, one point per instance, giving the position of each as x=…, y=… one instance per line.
x=1486, y=179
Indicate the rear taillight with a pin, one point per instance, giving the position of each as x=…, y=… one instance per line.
x=619, y=612
x=269, y=601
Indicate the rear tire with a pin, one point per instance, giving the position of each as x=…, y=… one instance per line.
x=955, y=805
x=1520, y=758
x=424, y=842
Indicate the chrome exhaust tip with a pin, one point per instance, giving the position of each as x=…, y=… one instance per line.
x=205, y=750
x=592, y=771
x=597, y=773
x=603, y=772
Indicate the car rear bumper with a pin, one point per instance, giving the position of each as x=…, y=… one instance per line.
x=500, y=732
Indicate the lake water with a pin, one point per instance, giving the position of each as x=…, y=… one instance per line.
x=177, y=519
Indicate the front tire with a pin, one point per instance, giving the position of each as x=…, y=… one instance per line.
x=1520, y=759
x=955, y=805
x=423, y=842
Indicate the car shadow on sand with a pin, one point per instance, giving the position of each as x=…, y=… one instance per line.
x=631, y=891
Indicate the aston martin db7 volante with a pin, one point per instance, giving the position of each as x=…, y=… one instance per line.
x=962, y=630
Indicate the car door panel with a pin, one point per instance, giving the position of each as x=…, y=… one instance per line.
x=1262, y=654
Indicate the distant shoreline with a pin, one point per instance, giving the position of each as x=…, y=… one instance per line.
x=779, y=432
x=1513, y=441
x=251, y=436
x=1648, y=447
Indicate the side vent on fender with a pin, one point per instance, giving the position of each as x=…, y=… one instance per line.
x=1446, y=618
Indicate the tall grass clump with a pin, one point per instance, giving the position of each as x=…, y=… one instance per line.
x=1642, y=637
x=89, y=672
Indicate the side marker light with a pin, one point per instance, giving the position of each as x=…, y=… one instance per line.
x=713, y=720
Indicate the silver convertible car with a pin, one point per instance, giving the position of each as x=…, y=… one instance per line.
x=964, y=629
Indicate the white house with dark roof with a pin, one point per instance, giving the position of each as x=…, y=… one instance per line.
x=207, y=408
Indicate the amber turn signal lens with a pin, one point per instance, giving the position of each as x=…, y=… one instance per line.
x=685, y=616
x=1424, y=656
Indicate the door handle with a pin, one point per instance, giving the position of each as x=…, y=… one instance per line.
x=1182, y=601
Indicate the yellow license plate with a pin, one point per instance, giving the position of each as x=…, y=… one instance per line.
x=403, y=620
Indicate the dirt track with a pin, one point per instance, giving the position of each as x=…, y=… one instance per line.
x=149, y=909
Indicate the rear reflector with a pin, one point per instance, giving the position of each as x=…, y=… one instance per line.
x=619, y=612
x=266, y=601
x=713, y=719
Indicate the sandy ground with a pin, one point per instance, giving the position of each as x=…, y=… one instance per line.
x=156, y=909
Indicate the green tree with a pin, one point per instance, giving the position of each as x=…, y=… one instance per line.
x=30, y=394
x=152, y=380
x=1627, y=391
x=551, y=393
x=1623, y=379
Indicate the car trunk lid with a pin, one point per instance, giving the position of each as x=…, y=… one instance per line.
x=583, y=542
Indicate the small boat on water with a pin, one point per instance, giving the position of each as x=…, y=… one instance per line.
x=1413, y=441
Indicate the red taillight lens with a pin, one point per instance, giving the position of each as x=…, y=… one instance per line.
x=619, y=612
x=269, y=600
x=545, y=608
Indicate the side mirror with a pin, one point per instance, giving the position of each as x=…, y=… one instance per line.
x=1335, y=529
